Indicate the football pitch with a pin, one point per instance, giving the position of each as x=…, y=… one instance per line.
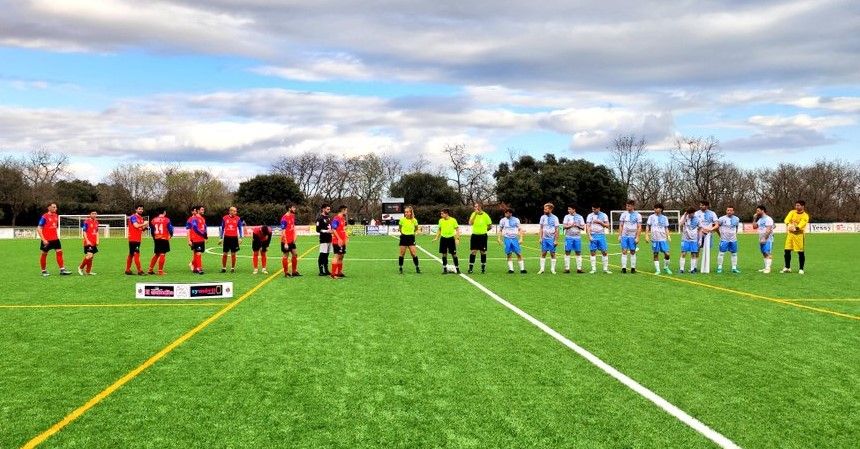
x=380, y=359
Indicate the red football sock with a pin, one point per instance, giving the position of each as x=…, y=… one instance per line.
x=83, y=263
x=199, y=258
x=263, y=259
x=295, y=264
x=233, y=259
x=161, y=262
x=128, y=263
x=60, y=262
x=89, y=265
x=43, y=261
x=152, y=261
x=137, y=262
x=254, y=260
x=285, y=261
x=224, y=260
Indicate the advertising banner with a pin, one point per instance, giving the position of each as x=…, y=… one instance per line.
x=207, y=290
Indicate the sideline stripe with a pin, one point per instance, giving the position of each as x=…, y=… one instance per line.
x=71, y=417
x=75, y=306
x=668, y=407
x=743, y=293
x=824, y=299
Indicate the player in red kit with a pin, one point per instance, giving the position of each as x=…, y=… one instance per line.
x=48, y=231
x=161, y=230
x=188, y=232
x=339, y=239
x=197, y=237
x=232, y=229
x=262, y=236
x=288, y=242
x=136, y=226
x=90, y=228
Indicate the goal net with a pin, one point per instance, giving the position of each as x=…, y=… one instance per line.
x=674, y=217
x=109, y=225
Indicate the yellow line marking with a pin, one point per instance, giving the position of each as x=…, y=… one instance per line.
x=824, y=299
x=742, y=293
x=119, y=383
x=75, y=306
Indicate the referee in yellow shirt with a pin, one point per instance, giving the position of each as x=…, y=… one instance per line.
x=481, y=223
x=796, y=222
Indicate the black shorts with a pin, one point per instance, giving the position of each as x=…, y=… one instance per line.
x=52, y=244
x=231, y=245
x=91, y=249
x=407, y=240
x=198, y=247
x=287, y=247
x=258, y=245
x=162, y=246
x=447, y=245
x=133, y=247
x=338, y=249
x=478, y=242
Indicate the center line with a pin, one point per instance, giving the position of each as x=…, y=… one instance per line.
x=667, y=406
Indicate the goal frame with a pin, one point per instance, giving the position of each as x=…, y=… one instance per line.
x=79, y=218
x=672, y=214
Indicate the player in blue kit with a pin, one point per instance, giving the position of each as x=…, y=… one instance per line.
x=729, y=226
x=690, y=232
x=573, y=225
x=765, y=225
x=629, y=229
x=548, y=237
x=657, y=232
x=512, y=232
x=596, y=225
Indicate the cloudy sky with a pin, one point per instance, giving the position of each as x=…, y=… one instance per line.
x=232, y=84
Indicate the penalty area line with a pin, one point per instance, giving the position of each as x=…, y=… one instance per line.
x=626, y=380
x=129, y=376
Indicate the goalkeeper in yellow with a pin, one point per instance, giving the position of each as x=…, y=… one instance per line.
x=796, y=222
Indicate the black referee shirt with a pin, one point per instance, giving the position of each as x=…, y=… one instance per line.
x=324, y=223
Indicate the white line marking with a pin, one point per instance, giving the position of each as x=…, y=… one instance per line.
x=667, y=406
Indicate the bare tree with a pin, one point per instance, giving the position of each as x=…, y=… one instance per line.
x=697, y=160
x=143, y=184
x=41, y=169
x=184, y=189
x=470, y=175
x=626, y=155
x=14, y=191
x=459, y=164
x=646, y=184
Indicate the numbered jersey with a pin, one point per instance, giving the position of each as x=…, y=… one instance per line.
x=50, y=223
x=161, y=227
x=690, y=228
x=91, y=231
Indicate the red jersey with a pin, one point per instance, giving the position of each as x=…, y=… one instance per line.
x=162, y=229
x=197, y=229
x=258, y=234
x=231, y=226
x=288, y=225
x=50, y=223
x=91, y=231
x=134, y=234
x=338, y=227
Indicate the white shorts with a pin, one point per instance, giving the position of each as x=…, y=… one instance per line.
x=325, y=248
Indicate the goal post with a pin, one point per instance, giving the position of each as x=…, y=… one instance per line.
x=110, y=225
x=674, y=217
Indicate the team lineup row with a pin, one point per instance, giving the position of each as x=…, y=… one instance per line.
x=696, y=229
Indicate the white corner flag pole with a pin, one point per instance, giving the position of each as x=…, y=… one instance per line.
x=705, y=253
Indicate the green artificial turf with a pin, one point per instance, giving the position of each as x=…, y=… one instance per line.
x=386, y=360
